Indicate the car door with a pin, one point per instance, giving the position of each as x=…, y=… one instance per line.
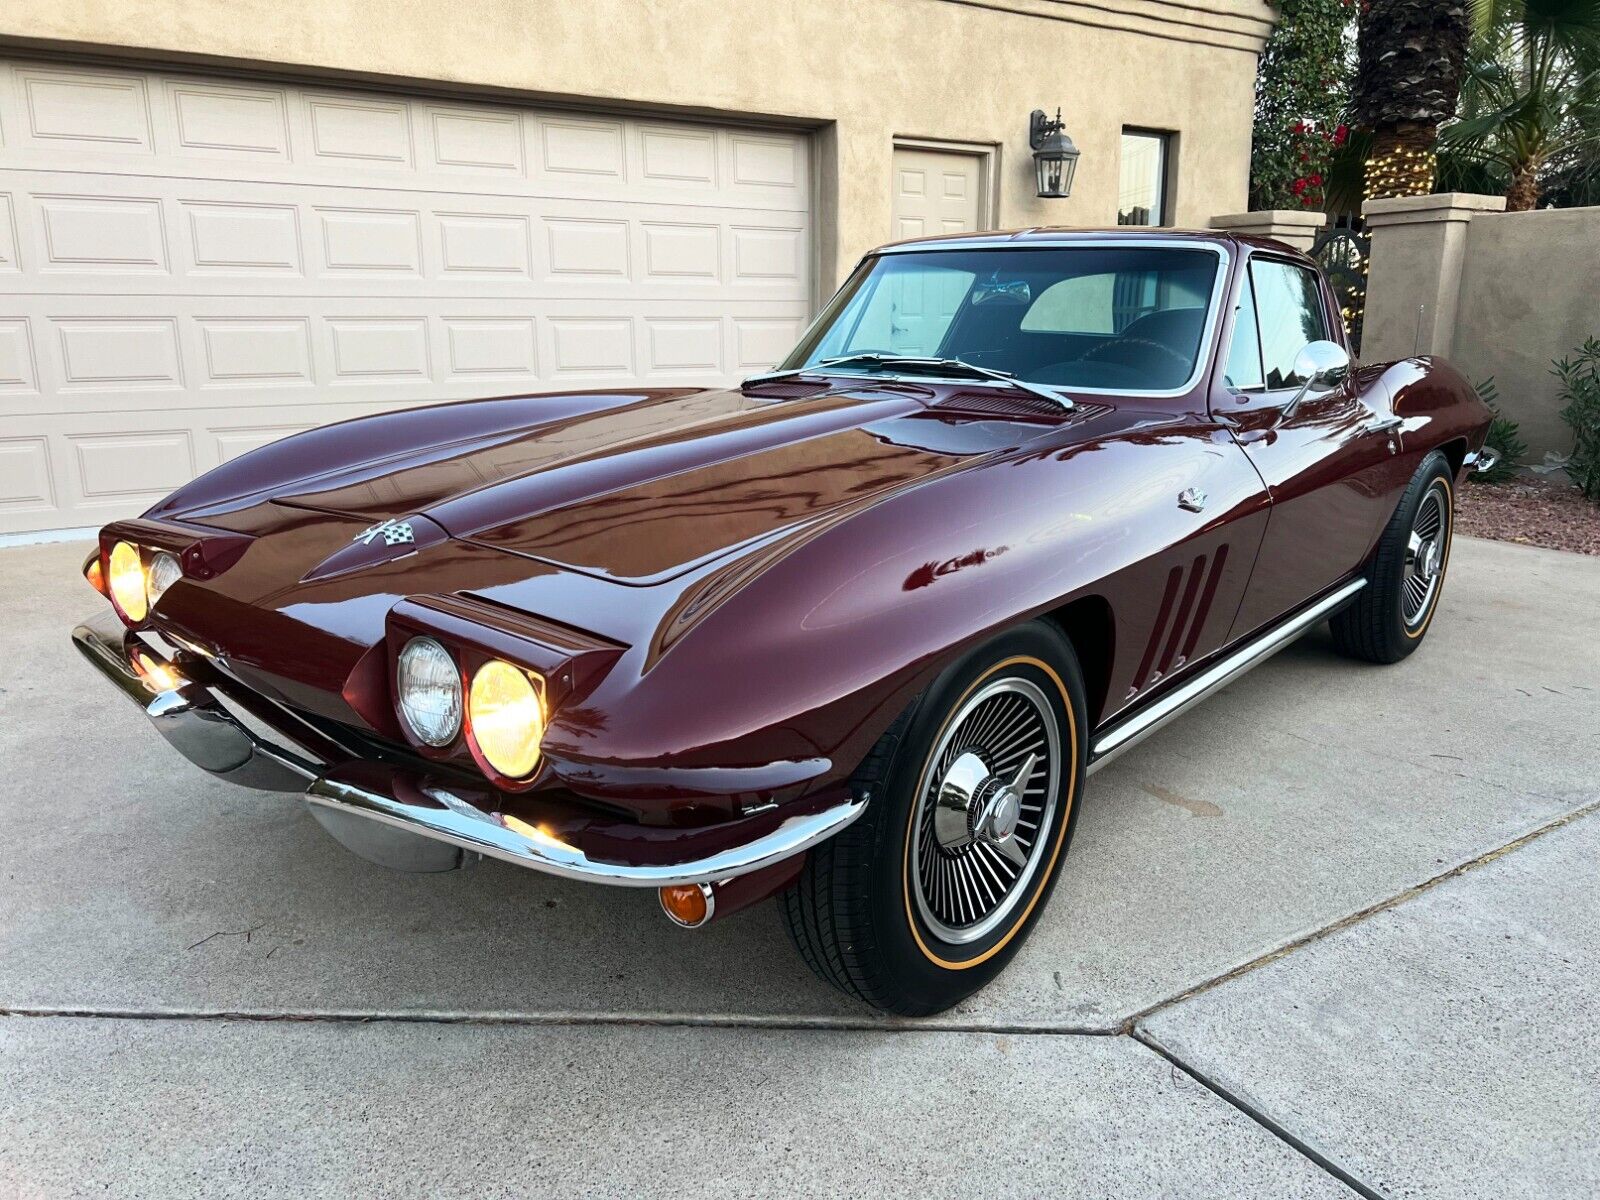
x=1328, y=466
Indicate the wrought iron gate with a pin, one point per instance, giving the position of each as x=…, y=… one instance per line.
x=1344, y=251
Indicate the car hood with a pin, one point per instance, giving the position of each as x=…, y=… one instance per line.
x=637, y=490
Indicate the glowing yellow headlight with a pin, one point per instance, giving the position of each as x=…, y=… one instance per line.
x=507, y=718
x=127, y=581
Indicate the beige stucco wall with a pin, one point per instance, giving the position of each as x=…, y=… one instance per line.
x=1530, y=293
x=861, y=71
x=1497, y=293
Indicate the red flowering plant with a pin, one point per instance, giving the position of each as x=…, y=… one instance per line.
x=1301, y=88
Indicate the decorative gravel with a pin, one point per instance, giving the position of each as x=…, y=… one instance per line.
x=1535, y=512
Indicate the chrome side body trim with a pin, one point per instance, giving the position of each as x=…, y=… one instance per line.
x=1126, y=734
x=460, y=823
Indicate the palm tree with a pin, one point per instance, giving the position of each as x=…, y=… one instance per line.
x=1530, y=103
x=1410, y=58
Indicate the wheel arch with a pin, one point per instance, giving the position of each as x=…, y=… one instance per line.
x=1455, y=452
x=1090, y=625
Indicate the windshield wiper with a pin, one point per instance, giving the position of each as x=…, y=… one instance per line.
x=811, y=368
x=919, y=363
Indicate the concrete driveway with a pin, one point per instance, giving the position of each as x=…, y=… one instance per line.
x=1335, y=931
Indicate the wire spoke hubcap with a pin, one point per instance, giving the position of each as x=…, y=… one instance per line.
x=986, y=793
x=1425, y=551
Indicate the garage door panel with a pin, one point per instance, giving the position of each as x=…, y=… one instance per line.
x=95, y=354
x=232, y=238
x=191, y=267
x=187, y=127
x=475, y=141
x=489, y=348
x=254, y=350
x=211, y=237
x=19, y=371
x=108, y=112
x=214, y=120
x=365, y=241
x=26, y=480
x=8, y=235
x=760, y=342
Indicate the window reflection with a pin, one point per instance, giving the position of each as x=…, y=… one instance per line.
x=1142, y=186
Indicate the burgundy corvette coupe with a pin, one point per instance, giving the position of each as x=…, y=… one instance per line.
x=852, y=633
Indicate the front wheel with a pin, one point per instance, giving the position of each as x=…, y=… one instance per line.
x=1391, y=614
x=973, y=798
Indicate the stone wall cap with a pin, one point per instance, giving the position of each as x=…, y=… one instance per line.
x=1297, y=218
x=1441, y=206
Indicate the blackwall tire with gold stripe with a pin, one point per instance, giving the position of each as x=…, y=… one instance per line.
x=974, y=790
x=1405, y=577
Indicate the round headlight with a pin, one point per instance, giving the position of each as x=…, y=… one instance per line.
x=127, y=582
x=430, y=692
x=164, y=572
x=507, y=718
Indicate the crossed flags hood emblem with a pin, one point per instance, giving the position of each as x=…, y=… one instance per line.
x=394, y=533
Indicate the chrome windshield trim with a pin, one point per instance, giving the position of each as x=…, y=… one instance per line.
x=1203, y=357
x=1126, y=734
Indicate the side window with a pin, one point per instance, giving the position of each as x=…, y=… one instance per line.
x=1244, y=351
x=1289, y=313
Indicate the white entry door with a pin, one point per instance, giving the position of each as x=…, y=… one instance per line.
x=191, y=266
x=935, y=191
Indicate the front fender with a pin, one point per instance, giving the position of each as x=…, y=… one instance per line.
x=804, y=650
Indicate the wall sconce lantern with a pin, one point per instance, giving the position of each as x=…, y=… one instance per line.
x=1055, y=158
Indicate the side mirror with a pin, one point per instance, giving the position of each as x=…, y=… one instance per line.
x=1324, y=366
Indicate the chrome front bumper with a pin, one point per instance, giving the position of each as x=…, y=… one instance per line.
x=416, y=822
x=190, y=717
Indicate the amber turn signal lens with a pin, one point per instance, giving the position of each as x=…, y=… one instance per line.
x=127, y=582
x=688, y=904
x=96, y=576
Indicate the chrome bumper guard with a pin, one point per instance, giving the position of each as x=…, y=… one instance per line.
x=190, y=717
x=1482, y=461
x=424, y=823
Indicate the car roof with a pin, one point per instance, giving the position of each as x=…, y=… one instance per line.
x=1058, y=235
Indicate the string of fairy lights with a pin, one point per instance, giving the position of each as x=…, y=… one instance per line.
x=1402, y=171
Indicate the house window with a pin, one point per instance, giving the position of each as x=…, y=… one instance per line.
x=1142, y=190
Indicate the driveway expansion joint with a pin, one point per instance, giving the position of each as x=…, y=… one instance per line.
x=558, y=1019
x=1311, y=1153
x=1131, y=1025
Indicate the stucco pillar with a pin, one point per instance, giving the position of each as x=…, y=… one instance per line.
x=1294, y=226
x=1414, y=271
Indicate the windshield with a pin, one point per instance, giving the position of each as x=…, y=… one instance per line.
x=1109, y=318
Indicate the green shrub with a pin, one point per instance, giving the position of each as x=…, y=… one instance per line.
x=1505, y=435
x=1580, y=388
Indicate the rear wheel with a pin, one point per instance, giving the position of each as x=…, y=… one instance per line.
x=1391, y=614
x=973, y=798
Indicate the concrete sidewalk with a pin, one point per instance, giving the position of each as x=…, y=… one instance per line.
x=535, y=1036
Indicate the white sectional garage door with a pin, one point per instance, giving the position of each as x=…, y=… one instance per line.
x=191, y=267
